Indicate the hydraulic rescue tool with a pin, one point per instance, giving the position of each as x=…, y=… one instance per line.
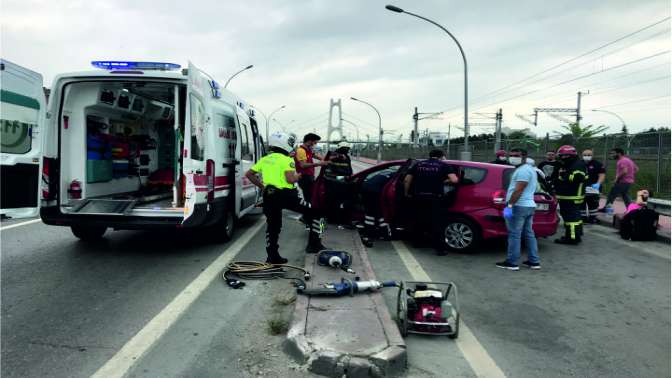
x=336, y=259
x=425, y=308
x=347, y=287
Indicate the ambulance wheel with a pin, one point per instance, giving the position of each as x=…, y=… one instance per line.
x=225, y=227
x=457, y=328
x=88, y=233
x=461, y=235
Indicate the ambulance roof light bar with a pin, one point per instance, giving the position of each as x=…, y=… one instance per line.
x=116, y=65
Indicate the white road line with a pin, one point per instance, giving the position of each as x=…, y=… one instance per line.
x=143, y=341
x=629, y=244
x=20, y=224
x=480, y=361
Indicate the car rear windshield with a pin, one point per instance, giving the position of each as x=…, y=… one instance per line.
x=542, y=187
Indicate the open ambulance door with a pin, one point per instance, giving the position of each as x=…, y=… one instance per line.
x=198, y=178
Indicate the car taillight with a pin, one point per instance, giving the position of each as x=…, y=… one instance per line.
x=210, y=174
x=75, y=190
x=499, y=199
x=45, y=179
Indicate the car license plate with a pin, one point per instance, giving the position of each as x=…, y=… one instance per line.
x=542, y=207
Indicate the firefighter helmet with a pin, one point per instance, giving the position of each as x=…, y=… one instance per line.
x=343, y=144
x=500, y=153
x=567, y=150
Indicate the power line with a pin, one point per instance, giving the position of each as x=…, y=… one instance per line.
x=634, y=101
x=575, y=58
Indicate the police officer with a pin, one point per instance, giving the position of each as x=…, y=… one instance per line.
x=570, y=183
x=374, y=222
x=424, y=184
x=596, y=175
x=278, y=185
x=500, y=158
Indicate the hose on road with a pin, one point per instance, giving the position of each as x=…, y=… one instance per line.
x=257, y=270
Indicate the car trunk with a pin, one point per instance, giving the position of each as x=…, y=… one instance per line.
x=120, y=148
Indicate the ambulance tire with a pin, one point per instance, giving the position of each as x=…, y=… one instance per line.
x=89, y=233
x=227, y=226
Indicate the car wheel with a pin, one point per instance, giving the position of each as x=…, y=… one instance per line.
x=88, y=233
x=461, y=235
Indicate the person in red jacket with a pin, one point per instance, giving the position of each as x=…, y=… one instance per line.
x=305, y=164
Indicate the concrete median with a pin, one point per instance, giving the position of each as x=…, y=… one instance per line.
x=345, y=336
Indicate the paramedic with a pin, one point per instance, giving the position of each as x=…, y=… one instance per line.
x=570, y=188
x=278, y=177
x=424, y=185
x=596, y=174
x=306, y=166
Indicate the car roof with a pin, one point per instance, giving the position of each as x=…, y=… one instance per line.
x=475, y=164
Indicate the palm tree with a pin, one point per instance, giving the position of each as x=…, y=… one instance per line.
x=581, y=132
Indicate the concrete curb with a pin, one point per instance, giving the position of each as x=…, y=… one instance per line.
x=335, y=360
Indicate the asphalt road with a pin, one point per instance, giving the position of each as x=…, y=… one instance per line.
x=69, y=307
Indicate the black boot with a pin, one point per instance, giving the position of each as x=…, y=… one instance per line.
x=314, y=243
x=275, y=258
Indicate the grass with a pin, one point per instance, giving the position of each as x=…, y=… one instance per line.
x=277, y=325
x=284, y=300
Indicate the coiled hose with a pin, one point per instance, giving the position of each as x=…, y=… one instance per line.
x=257, y=270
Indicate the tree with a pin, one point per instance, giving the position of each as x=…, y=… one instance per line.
x=578, y=132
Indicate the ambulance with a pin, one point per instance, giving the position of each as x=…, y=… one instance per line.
x=146, y=145
x=22, y=110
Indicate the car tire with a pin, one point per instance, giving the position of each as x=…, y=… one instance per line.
x=461, y=235
x=89, y=233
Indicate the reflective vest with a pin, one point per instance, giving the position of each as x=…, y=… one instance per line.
x=570, y=181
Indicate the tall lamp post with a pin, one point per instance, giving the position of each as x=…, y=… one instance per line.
x=356, y=131
x=236, y=74
x=627, y=138
x=612, y=113
x=466, y=154
x=271, y=116
x=380, y=129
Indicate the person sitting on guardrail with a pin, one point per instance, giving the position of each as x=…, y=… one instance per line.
x=639, y=223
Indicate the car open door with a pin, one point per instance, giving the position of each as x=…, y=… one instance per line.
x=197, y=120
x=393, y=195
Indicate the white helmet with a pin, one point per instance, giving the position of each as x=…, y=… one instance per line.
x=282, y=140
x=343, y=144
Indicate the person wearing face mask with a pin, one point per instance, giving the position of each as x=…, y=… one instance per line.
x=596, y=175
x=305, y=164
x=570, y=188
x=500, y=158
x=519, y=212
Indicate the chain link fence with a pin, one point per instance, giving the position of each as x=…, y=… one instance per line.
x=649, y=150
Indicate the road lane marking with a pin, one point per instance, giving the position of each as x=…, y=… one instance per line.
x=20, y=224
x=142, y=342
x=626, y=243
x=480, y=361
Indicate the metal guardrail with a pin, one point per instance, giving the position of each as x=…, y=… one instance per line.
x=659, y=205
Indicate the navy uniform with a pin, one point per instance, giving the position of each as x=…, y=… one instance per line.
x=594, y=169
x=374, y=222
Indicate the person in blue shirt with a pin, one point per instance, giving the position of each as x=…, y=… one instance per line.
x=519, y=212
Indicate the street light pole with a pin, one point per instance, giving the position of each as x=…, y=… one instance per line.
x=612, y=113
x=269, y=117
x=466, y=154
x=380, y=129
x=236, y=74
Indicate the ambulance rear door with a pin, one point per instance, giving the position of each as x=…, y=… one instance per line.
x=197, y=121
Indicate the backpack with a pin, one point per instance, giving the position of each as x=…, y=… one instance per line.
x=639, y=225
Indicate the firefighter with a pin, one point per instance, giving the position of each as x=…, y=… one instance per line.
x=374, y=222
x=570, y=188
x=278, y=179
x=338, y=189
x=424, y=185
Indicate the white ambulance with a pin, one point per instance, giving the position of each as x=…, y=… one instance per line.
x=22, y=110
x=141, y=145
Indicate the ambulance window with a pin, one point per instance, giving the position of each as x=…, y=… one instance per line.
x=19, y=118
x=246, y=136
x=197, y=128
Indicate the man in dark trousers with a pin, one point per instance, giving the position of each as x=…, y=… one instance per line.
x=305, y=164
x=570, y=189
x=372, y=192
x=500, y=158
x=278, y=178
x=424, y=185
x=338, y=191
x=596, y=175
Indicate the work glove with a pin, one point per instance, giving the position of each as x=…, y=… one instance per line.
x=508, y=213
x=596, y=186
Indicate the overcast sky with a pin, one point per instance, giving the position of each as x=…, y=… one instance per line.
x=307, y=52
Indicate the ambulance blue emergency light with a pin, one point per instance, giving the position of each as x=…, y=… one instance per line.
x=115, y=65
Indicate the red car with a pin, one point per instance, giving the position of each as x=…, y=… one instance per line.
x=476, y=211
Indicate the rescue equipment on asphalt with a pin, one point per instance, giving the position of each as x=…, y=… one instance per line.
x=425, y=308
x=335, y=259
x=257, y=270
x=347, y=287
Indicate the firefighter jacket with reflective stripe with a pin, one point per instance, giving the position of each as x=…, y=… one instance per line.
x=570, y=182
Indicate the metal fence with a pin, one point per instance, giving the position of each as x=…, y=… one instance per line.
x=650, y=151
